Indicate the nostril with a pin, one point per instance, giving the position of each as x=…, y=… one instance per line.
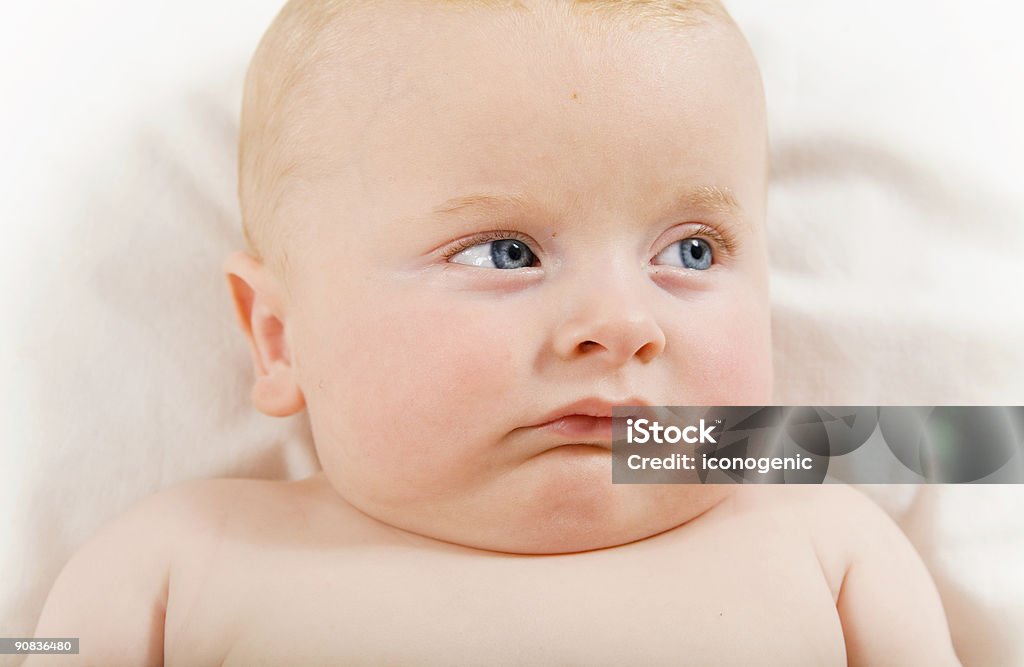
x=648, y=352
x=588, y=345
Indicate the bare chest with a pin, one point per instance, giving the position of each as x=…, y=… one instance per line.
x=669, y=603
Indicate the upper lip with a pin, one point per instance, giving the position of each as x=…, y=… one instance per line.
x=590, y=407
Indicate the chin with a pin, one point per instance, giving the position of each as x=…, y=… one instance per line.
x=577, y=515
x=560, y=501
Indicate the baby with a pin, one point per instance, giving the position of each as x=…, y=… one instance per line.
x=476, y=226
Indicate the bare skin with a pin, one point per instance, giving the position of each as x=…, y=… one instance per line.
x=465, y=513
x=246, y=572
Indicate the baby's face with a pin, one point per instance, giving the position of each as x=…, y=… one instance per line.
x=516, y=223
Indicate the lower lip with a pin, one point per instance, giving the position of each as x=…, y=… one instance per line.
x=581, y=426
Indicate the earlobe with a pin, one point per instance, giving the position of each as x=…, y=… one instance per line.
x=260, y=310
x=277, y=393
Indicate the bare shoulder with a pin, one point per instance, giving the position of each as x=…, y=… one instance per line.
x=113, y=592
x=204, y=505
x=836, y=517
x=887, y=602
x=174, y=521
x=843, y=522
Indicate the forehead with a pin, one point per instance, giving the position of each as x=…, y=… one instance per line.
x=439, y=104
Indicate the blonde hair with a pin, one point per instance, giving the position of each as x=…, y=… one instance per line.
x=285, y=63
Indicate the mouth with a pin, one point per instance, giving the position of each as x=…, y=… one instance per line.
x=580, y=427
x=589, y=421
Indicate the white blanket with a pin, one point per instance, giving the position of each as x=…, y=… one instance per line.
x=896, y=227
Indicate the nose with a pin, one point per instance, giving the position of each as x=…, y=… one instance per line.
x=609, y=321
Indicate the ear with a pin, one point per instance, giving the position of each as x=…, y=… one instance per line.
x=261, y=314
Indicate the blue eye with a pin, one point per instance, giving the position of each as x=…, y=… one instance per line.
x=691, y=253
x=501, y=254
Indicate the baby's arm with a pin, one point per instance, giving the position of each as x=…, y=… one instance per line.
x=889, y=607
x=113, y=593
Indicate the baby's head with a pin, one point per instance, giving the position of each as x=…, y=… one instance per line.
x=468, y=218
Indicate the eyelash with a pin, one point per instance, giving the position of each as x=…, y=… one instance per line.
x=720, y=238
x=496, y=235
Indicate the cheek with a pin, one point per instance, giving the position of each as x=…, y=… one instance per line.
x=441, y=354
x=411, y=391
x=728, y=357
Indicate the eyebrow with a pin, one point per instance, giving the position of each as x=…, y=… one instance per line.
x=703, y=198
x=481, y=202
x=711, y=197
